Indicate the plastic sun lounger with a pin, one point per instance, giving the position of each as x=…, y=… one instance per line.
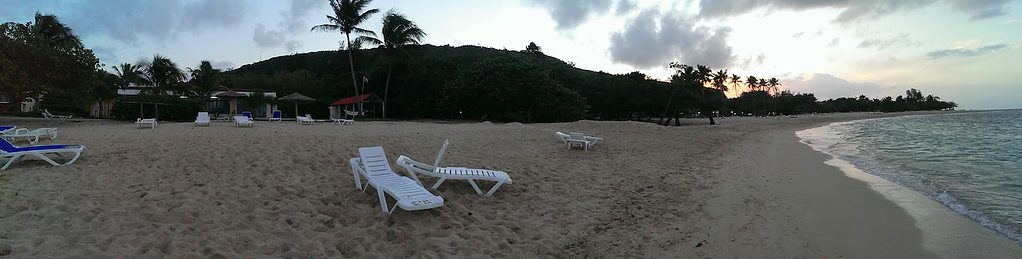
x=150, y=122
x=243, y=121
x=48, y=115
x=581, y=140
x=13, y=153
x=276, y=116
x=373, y=165
x=202, y=119
x=32, y=135
x=454, y=173
x=342, y=121
x=306, y=120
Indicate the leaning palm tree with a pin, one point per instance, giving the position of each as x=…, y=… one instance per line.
x=735, y=80
x=762, y=84
x=752, y=83
x=703, y=74
x=161, y=74
x=773, y=83
x=397, y=31
x=347, y=16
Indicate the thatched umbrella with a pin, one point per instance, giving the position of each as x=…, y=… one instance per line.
x=296, y=97
x=232, y=97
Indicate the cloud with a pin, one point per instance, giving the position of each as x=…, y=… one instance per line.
x=833, y=43
x=294, y=21
x=852, y=10
x=624, y=7
x=129, y=21
x=798, y=35
x=965, y=52
x=901, y=39
x=652, y=39
x=827, y=86
x=570, y=13
x=980, y=9
x=222, y=64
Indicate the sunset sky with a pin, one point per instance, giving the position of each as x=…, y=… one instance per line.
x=967, y=51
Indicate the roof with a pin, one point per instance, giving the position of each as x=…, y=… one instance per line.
x=296, y=97
x=351, y=100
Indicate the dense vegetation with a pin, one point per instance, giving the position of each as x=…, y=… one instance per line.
x=44, y=58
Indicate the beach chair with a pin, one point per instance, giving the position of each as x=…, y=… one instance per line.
x=581, y=140
x=202, y=119
x=306, y=120
x=150, y=122
x=373, y=165
x=414, y=168
x=276, y=116
x=6, y=128
x=48, y=115
x=240, y=121
x=12, y=153
x=563, y=137
x=343, y=121
x=31, y=135
x=247, y=114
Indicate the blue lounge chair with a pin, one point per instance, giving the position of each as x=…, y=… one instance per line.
x=13, y=152
x=276, y=116
x=247, y=114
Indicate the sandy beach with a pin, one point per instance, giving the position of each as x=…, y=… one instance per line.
x=744, y=188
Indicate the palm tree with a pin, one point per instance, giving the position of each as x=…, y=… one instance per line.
x=397, y=31
x=773, y=83
x=127, y=74
x=735, y=79
x=720, y=80
x=160, y=73
x=205, y=79
x=347, y=16
x=703, y=74
x=752, y=83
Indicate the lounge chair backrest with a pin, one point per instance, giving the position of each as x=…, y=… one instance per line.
x=374, y=160
x=440, y=154
x=276, y=114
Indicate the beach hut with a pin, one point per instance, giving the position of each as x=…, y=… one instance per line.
x=232, y=100
x=296, y=97
x=349, y=105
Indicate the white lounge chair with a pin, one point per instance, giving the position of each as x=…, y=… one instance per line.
x=13, y=153
x=343, y=121
x=243, y=121
x=453, y=173
x=202, y=119
x=48, y=115
x=276, y=116
x=306, y=120
x=373, y=165
x=578, y=139
x=150, y=122
x=31, y=135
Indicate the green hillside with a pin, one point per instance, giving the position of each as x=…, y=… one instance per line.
x=466, y=82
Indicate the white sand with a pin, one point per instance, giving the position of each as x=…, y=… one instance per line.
x=745, y=188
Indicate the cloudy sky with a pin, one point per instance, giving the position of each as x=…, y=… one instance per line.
x=968, y=51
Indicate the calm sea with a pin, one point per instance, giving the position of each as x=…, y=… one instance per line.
x=970, y=162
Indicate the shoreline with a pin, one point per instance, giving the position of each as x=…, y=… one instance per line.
x=946, y=232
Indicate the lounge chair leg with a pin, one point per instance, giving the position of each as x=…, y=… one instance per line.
x=383, y=201
x=438, y=182
x=474, y=186
x=494, y=189
x=11, y=161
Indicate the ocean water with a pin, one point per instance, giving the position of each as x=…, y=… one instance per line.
x=970, y=162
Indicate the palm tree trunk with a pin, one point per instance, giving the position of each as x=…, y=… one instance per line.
x=386, y=91
x=351, y=62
